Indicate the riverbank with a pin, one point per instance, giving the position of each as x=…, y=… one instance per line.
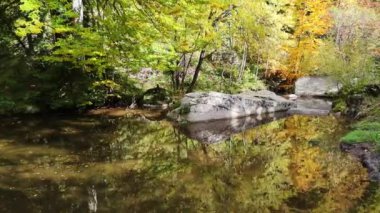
x=152, y=114
x=363, y=141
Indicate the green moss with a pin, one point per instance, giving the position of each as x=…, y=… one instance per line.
x=368, y=125
x=362, y=136
x=367, y=130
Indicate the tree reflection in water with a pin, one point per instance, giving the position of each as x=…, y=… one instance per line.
x=136, y=165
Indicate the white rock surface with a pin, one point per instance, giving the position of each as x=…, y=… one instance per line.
x=316, y=86
x=206, y=106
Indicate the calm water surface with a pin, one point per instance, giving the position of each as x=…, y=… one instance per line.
x=131, y=164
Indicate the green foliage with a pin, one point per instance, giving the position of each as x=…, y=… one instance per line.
x=371, y=109
x=6, y=105
x=93, y=61
x=340, y=105
x=249, y=82
x=353, y=66
x=31, y=23
x=84, y=50
x=349, y=53
x=53, y=63
x=223, y=80
x=17, y=87
x=367, y=125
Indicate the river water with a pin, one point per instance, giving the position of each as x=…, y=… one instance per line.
x=72, y=163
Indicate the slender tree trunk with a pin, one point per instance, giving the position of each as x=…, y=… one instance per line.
x=78, y=8
x=267, y=66
x=243, y=62
x=30, y=45
x=176, y=74
x=257, y=65
x=176, y=78
x=197, y=70
x=173, y=79
x=186, y=70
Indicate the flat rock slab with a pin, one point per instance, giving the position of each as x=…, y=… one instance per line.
x=207, y=106
x=316, y=86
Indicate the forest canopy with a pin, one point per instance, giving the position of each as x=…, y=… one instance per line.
x=65, y=54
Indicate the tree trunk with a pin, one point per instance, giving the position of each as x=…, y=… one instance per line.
x=173, y=79
x=243, y=62
x=185, y=71
x=176, y=75
x=197, y=70
x=78, y=8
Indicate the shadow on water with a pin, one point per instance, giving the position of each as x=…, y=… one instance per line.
x=131, y=164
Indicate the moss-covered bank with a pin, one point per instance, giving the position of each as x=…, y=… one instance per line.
x=366, y=128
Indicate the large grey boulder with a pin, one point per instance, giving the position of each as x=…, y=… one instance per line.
x=206, y=106
x=316, y=86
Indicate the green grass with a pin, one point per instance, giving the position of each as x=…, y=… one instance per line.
x=367, y=125
x=367, y=130
x=362, y=136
